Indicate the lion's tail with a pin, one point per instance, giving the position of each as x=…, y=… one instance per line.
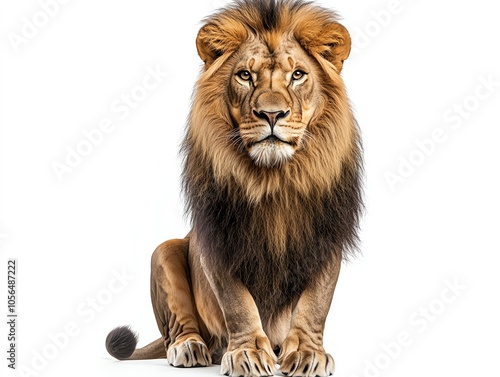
x=121, y=343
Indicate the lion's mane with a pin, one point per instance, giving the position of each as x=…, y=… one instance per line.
x=274, y=228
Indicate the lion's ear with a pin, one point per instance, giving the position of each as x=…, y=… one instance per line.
x=332, y=44
x=339, y=45
x=208, y=45
x=213, y=41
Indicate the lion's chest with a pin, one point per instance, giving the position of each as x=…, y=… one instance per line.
x=276, y=248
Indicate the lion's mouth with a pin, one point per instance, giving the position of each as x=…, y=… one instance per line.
x=271, y=139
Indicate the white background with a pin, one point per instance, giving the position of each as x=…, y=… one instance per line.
x=439, y=226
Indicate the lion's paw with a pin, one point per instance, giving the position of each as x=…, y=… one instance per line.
x=189, y=353
x=247, y=362
x=307, y=364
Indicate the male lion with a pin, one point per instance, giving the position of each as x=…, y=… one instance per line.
x=272, y=180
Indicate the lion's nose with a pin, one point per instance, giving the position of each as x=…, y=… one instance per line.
x=271, y=116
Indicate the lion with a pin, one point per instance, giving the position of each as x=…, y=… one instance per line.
x=272, y=176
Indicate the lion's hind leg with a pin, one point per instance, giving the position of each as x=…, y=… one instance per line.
x=174, y=306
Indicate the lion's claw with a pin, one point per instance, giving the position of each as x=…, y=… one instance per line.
x=189, y=354
x=307, y=364
x=248, y=363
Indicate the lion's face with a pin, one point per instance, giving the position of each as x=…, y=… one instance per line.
x=272, y=99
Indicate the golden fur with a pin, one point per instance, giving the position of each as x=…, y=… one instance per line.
x=272, y=181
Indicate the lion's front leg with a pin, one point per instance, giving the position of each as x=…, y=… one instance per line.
x=249, y=352
x=302, y=352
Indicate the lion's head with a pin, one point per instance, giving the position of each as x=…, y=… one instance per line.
x=270, y=107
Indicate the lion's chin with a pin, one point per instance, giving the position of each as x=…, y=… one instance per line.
x=271, y=154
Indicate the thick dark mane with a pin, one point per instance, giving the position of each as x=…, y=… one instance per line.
x=235, y=233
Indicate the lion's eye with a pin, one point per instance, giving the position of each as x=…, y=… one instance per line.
x=244, y=75
x=298, y=74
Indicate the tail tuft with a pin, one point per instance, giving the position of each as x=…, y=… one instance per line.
x=121, y=342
